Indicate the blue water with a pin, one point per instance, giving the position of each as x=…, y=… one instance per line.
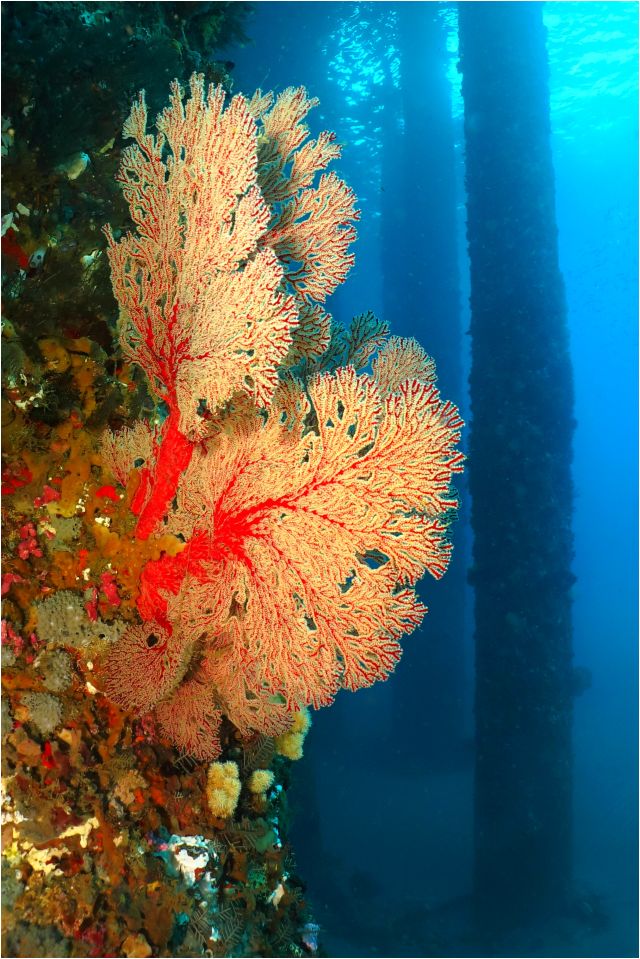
x=594, y=96
x=377, y=841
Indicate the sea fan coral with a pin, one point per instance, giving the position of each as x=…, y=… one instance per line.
x=145, y=666
x=308, y=509
x=201, y=309
x=400, y=360
x=303, y=547
x=308, y=539
x=214, y=282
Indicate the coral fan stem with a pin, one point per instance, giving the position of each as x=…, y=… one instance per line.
x=174, y=455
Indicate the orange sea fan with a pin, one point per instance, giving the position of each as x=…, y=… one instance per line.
x=191, y=719
x=311, y=227
x=305, y=511
x=315, y=537
x=218, y=280
x=201, y=306
x=312, y=335
x=282, y=144
x=241, y=691
x=311, y=235
x=121, y=450
x=144, y=667
x=401, y=359
x=303, y=548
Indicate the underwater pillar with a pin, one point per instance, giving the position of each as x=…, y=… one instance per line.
x=420, y=245
x=519, y=470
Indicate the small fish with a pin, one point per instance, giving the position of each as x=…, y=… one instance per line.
x=74, y=166
x=37, y=258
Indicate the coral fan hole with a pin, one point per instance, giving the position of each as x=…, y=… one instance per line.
x=348, y=583
x=374, y=559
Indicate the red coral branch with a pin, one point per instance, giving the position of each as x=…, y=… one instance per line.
x=158, y=487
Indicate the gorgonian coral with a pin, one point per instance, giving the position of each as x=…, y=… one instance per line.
x=308, y=507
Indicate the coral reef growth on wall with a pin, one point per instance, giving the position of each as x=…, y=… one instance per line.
x=208, y=529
